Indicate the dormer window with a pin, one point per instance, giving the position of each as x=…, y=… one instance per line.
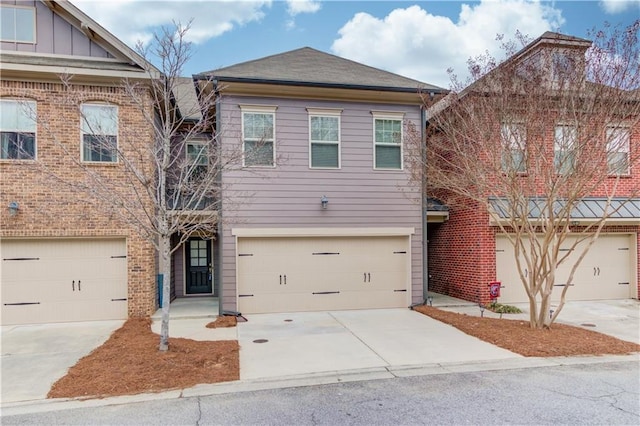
x=563, y=65
x=18, y=24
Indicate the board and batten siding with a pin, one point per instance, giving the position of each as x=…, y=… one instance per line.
x=288, y=195
x=54, y=35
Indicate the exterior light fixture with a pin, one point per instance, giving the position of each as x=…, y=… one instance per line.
x=13, y=208
x=324, y=201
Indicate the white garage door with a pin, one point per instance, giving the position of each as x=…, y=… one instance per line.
x=606, y=272
x=60, y=280
x=311, y=274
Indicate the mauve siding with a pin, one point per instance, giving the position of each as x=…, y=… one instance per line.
x=288, y=196
x=54, y=35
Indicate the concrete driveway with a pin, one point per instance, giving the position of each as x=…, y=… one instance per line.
x=295, y=344
x=318, y=342
x=35, y=356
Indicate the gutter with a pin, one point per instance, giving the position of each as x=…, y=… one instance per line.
x=436, y=91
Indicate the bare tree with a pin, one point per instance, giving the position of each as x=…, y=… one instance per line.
x=172, y=169
x=526, y=140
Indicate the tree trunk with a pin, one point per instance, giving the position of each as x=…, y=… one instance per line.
x=165, y=270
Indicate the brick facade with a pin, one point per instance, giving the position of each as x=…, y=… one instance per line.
x=51, y=206
x=461, y=251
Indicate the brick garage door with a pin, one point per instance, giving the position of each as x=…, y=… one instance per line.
x=61, y=280
x=322, y=273
x=606, y=272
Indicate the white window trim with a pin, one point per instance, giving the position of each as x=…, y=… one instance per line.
x=82, y=133
x=34, y=105
x=35, y=33
x=388, y=115
x=199, y=142
x=627, y=145
x=555, y=145
x=508, y=145
x=258, y=109
x=326, y=112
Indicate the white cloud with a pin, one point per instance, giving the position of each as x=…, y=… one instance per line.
x=295, y=7
x=420, y=45
x=617, y=6
x=135, y=20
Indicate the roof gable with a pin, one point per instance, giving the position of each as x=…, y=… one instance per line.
x=307, y=66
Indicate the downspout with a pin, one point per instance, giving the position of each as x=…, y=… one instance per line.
x=423, y=153
x=218, y=261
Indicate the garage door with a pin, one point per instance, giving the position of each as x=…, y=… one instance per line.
x=312, y=274
x=63, y=280
x=606, y=272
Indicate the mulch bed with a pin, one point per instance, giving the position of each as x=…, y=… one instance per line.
x=223, y=321
x=129, y=362
x=518, y=337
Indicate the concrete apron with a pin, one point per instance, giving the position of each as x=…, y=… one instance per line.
x=281, y=345
x=35, y=356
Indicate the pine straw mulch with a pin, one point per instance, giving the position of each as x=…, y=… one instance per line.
x=518, y=337
x=129, y=362
x=222, y=322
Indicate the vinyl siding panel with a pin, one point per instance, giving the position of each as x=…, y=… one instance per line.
x=288, y=196
x=54, y=35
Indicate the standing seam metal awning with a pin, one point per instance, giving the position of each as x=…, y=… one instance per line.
x=585, y=209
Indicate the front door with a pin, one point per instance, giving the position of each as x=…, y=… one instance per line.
x=198, y=266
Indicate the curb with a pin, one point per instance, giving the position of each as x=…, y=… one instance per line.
x=324, y=378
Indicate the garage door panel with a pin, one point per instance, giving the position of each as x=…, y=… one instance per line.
x=602, y=274
x=322, y=273
x=71, y=280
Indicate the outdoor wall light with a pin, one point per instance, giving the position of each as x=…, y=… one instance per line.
x=324, y=201
x=13, y=208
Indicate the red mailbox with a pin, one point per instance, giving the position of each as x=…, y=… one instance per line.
x=494, y=289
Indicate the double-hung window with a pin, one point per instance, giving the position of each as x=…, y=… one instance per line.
x=99, y=133
x=324, y=138
x=387, y=140
x=565, y=140
x=17, y=130
x=258, y=135
x=618, y=150
x=18, y=24
x=197, y=158
x=514, y=148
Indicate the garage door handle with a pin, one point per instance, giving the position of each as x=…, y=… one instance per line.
x=369, y=276
x=79, y=285
x=280, y=279
x=73, y=285
x=285, y=280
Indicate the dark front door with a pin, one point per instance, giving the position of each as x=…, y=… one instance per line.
x=199, y=268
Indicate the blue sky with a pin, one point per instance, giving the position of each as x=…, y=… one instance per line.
x=418, y=39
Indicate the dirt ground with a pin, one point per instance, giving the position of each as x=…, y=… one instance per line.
x=130, y=363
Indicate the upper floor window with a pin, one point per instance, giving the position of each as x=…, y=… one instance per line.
x=565, y=139
x=18, y=24
x=17, y=130
x=387, y=140
x=258, y=135
x=99, y=132
x=197, y=158
x=618, y=139
x=324, y=138
x=514, y=148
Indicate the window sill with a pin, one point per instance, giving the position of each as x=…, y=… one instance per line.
x=20, y=160
x=101, y=163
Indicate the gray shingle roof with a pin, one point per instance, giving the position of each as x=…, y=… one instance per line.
x=307, y=66
x=587, y=208
x=184, y=93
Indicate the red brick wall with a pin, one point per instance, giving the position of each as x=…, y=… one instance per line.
x=462, y=250
x=49, y=207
